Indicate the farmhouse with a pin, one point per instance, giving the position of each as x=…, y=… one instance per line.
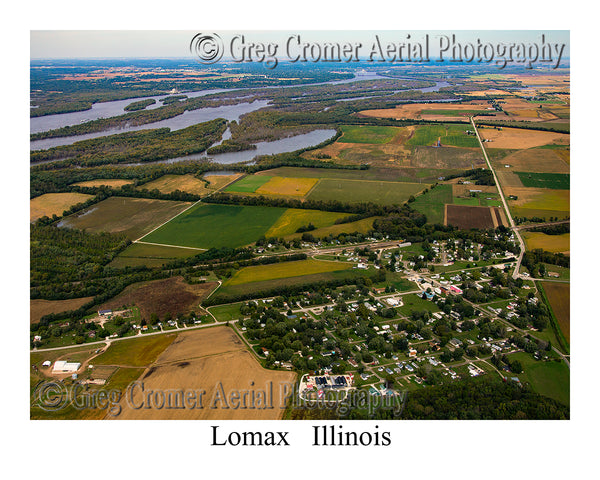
x=62, y=366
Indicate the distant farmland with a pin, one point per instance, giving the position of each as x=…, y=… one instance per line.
x=356, y=191
x=367, y=134
x=208, y=225
x=170, y=183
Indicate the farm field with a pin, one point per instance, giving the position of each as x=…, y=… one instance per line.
x=359, y=226
x=294, y=218
x=559, y=296
x=169, y=183
x=268, y=285
x=38, y=307
x=449, y=135
x=558, y=181
x=136, y=352
x=131, y=216
x=172, y=295
x=467, y=217
x=443, y=160
x=219, y=181
x=106, y=182
x=519, y=138
x=258, y=273
x=550, y=243
x=430, y=111
x=540, y=160
x=297, y=187
x=138, y=254
x=431, y=204
x=539, y=202
x=355, y=191
x=208, y=225
x=248, y=184
x=208, y=360
x=367, y=134
x=389, y=174
x=54, y=204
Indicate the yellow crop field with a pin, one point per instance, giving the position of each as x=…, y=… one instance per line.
x=539, y=202
x=259, y=273
x=217, y=182
x=550, y=243
x=105, y=182
x=54, y=203
x=360, y=226
x=294, y=218
x=298, y=187
x=169, y=183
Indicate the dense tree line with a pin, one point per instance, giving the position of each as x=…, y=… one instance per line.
x=559, y=229
x=480, y=176
x=141, y=146
x=533, y=260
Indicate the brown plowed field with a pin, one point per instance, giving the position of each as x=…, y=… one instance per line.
x=171, y=295
x=467, y=217
x=559, y=296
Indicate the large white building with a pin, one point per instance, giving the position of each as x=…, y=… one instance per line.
x=66, y=367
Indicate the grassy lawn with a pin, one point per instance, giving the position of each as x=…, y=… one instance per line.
x=414, y=302
x=207, y=226
x=224, y=313
x=547, y=378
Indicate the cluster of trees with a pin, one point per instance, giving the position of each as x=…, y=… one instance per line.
x=480, y=176
x=141, y=105
x=534, y=261
x=141, y=146
x=553, y=229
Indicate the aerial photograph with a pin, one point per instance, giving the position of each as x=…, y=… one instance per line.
x=301, y=226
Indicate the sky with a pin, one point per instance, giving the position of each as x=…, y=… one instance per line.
x=176, y=43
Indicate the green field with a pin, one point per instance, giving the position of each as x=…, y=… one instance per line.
x=248, y=184
x=431, y=204
x=225, y=313
x=294, y=218
x=136, y=352
x=556, y=181
x=547, y=378
x=360, y=226
x=453, y=135
x=254, y=288
x=357, y=191
x=208, y=226
x=259, y=273
x=474, y=201
x=413, y=302
x=367, y=134
x=138, y=254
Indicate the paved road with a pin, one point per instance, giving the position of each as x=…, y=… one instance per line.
x=508, y=215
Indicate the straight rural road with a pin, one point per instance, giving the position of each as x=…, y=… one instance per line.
x=508, y=215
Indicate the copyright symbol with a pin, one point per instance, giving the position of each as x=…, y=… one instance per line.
x=208, y=47
x=51, y=396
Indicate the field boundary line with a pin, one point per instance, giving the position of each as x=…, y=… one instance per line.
x=166, y=245
x=164, y=223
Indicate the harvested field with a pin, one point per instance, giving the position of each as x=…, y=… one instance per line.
x=297, y=187
x=212, y=361
x=294, y=218
x=542, y=160
x=131, y=216
x=550, y=243
x=105, y=182
x=219, y=181
x=559, y=296
x=259, y=273
x=171, y=295
x=38, y=307
x=467, y=217
x=54, y=204
x=169, y=183
x=135, y=352
x=429, y=111
x=520, y=138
